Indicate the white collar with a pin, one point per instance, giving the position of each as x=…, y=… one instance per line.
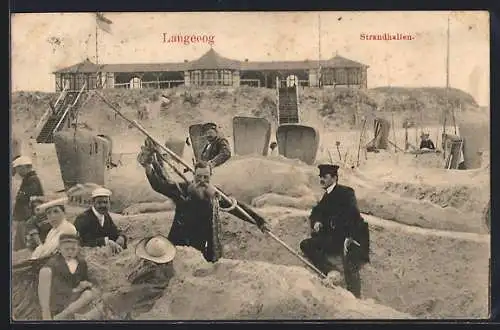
x=329, y=189
x=97, y=214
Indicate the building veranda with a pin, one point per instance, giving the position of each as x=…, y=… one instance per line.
x=212, y=69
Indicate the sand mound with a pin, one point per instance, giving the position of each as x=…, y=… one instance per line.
x=244, y=178
x=279, y=182
x=235, y=289
x=463, y=197
x=426, y=276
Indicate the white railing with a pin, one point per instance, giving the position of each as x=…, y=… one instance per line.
x=155, y=83
x=69, y=107
x=304, y=83
x=47, y=113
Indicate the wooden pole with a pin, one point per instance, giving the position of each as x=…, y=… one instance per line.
x=179, y=160
x=360, y=140
x=394, y=133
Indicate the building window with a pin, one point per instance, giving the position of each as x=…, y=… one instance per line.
x=292, y=81
x=210, y=77
x=135, y=82
x=81, y=80
x=227, y=78
x=328, y=77
x=195, y=77
x=341, y=77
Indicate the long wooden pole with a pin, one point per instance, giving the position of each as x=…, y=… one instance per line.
x=224, y=196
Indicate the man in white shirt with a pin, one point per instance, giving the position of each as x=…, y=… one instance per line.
x=56, y=217
x=95, y=226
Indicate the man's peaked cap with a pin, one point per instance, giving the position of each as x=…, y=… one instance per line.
x=328, y=169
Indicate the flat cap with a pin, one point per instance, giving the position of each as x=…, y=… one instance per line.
x=208, y=126
x=22, y=160
x=328, y=169
x=101, y=192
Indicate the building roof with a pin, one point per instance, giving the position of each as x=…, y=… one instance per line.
x=213, y=60
x=85, y=66
x=145, y=67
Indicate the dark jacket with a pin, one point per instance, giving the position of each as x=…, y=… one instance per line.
x=63, y=282
x=193, y=221
x=427, y=144
x=91, y=232
x=217, y=152
x=146, y=285
x=30, y=186
x=340, y=218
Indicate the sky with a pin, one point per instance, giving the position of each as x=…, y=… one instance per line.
x=43, y=43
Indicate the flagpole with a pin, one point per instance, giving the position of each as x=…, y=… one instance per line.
x=447, y=85
x=98, y=82
x=96, y=44
x=320, y=85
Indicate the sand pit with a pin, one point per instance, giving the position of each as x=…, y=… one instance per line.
x=422, y=272
x=235, y=289
x=425, y=275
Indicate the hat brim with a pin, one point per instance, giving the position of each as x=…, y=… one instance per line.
x=58, y=202
x=140, y=251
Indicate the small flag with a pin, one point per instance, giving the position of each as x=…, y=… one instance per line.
x=103, y=23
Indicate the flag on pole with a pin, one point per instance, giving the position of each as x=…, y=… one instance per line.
x=103, y=23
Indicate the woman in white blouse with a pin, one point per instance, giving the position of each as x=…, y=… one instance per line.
x=56, y=217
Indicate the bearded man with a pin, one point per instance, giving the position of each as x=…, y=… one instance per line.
x=196, y=221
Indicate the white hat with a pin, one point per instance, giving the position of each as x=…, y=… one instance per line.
x=56, y=202
x=157, y=249
x=22, y=160
x=101, y=192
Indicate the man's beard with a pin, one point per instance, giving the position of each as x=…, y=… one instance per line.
x=102, y=210
x=201, y=190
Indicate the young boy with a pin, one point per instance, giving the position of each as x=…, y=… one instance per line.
x=64, y=286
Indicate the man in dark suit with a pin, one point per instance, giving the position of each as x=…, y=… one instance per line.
x=217, y=151
x=30, y=186
x=337, y=229
x=95, y=226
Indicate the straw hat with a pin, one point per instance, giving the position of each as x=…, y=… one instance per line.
x=156, y=248
x=22, y=160
x=37, y=199
x=56, y=202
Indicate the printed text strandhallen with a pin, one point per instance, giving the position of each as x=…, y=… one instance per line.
x=188, y=39
x=387, y=36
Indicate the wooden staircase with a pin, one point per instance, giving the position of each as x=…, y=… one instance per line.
x=54, y=119
x=287, y=103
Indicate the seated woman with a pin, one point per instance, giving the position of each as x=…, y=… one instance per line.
x=56, y=217
x=148, y=279
x=64, y=286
